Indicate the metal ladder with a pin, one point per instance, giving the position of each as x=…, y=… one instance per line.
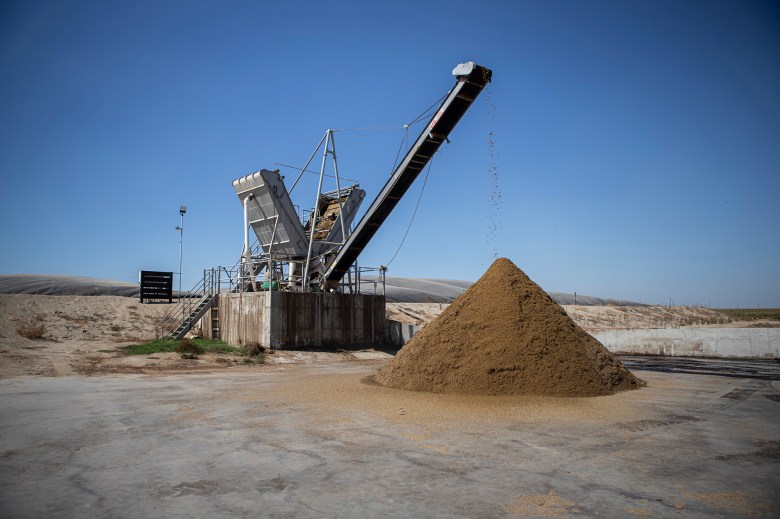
x=189, y=310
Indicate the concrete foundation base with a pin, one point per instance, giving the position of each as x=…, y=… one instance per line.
x=399, y=334
x=291, y=320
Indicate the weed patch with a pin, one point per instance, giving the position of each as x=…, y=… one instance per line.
x=751, y=314
x=168, y=346
x=187, y=349
x=252, y=349
x=253, y=352
x=80, y=320
x=32, y=331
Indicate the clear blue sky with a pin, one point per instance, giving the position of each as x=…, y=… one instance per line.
x=638, y=142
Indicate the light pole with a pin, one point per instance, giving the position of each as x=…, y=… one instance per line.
x=180, y=228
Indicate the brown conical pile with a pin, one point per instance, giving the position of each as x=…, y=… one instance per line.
x=506, y=336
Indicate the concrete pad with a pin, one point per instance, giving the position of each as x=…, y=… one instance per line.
x=317, y=441
x=371, y=355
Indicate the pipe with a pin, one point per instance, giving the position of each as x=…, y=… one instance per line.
x=247, y=250
x=269, y=274
x=246, y=224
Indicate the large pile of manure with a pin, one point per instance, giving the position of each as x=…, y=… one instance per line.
x=506, y=336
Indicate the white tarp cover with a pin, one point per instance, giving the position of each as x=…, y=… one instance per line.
x=398, y=290
x=41, y=284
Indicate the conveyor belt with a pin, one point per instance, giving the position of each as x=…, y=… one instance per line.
x=470, y=80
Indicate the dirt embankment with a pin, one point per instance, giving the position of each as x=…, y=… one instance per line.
x=49, y=335
x=57, y=335
x=64, y=335
x=603, y=317
x=84, y=334
x=596, y=318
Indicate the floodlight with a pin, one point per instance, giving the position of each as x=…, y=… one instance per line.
x=180, y=228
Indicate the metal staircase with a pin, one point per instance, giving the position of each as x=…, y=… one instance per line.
x=195, y=315
x=193, y=305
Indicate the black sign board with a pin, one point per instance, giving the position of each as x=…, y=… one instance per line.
x=156, y=285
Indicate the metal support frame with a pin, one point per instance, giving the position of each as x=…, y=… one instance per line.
x=300, y=266
x=335, y=259
x=246, y=254
x=329, y=149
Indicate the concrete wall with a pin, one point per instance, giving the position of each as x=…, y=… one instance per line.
x=399, y=333
x=242, y=318
x=326, y=320
x=289, y=320
x=694, y=342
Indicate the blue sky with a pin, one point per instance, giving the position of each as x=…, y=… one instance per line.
x=638, y=143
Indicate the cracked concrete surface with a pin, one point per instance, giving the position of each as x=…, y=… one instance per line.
x=316, y=441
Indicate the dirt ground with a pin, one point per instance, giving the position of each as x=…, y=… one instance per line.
x=76, y=331
x=84, y=334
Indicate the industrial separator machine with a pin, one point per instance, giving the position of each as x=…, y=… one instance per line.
x=315, y=251
x=317, y=254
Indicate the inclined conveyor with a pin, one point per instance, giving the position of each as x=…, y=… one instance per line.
x=470, y=79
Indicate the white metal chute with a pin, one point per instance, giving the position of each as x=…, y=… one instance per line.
x=271, y=214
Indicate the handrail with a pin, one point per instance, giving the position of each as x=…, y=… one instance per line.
x=183, y=309
x=210, y=284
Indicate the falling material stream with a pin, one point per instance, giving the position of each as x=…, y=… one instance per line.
x=494, y=212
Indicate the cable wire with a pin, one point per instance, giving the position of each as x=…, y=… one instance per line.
x=427, y=173
x=391, y=127
x=367, y=128
x=422, y=115
x=315, y=172
x=419, y=199
x=405, y=138
x=400, y=147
